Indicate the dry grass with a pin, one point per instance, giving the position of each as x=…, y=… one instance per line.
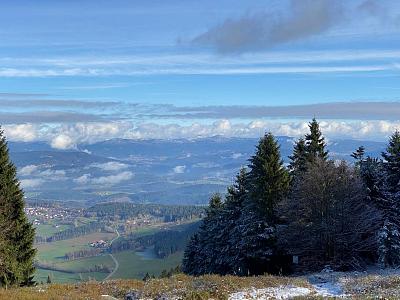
x=180, y=286
x=373, y=286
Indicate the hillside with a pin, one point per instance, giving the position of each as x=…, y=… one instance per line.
x=377, y=284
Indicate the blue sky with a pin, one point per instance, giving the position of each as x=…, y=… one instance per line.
x=168, y=69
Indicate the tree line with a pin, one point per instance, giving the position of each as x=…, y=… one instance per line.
x=72, y=232
x=304, y=216
x=127, y=210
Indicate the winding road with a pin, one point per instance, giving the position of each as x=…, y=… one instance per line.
x=113, y=258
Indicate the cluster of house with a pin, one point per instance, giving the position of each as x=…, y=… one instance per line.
x=43, y=214
x=99, y=244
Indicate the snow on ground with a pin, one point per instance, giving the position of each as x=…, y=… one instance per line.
x=326, y=285
x=282, y=292
x=328, y=289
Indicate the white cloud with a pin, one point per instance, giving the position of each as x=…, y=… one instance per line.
x=22, y=132
x=53, y=175
x=113, y=179
x=28, y=170
x=69, y=136
x=110, y=166
x=63, y=142
x=104, y=180
x=84, y=179
x=179, y=169
x=31, y=183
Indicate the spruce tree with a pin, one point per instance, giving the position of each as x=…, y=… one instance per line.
x=267, y=183
x=268, y=179
x=229, y=235
x=20, y=236
x=298, y=159
x=202, y=251
x=359, y=156
x=392, y=163
x=389, y=236
x=315, y=143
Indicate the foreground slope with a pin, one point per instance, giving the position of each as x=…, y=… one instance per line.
x=377, y=284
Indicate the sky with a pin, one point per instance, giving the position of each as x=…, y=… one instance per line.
x=75, y=72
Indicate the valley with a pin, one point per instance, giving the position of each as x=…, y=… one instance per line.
x=85, y=247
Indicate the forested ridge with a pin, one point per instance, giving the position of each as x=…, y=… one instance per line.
x=302, y=217
x=127, y=210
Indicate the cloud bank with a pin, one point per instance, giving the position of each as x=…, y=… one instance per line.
x=77, y=135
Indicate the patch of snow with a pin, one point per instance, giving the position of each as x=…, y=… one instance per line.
x=281, y=292
x=328, y=289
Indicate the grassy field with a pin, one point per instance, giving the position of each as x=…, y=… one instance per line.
x=46, y=230
x=132, y=265
x=55, y=251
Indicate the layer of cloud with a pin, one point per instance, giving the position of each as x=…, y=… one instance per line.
x=28, y=170
x=104, y=180
x=76, y=136
x=255, y=32
x=48, y=117
x=111, y=166
x=6, y=102
x=31, y=183
x=333, y=110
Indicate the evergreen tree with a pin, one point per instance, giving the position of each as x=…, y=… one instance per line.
x=202, y=253
x=190, y=257
x=392, y=164
x=298, y=159
x=358, y=156
x=20, y=236
x=48, y=279
x=389, y=236
x=268, y=183
x=147, y=277
x=268, y=179
x=229, y=237
x=315, y=143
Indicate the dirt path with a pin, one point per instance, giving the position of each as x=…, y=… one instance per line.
x=113, y=258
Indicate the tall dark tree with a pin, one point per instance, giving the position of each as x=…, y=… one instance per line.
x=20, y=236
x=298, y=159
x=202, y=251
x=359, y=156
x=330, y=223
x=315, y=142
x=229, y=236
x=268, y=179
x=268, y=183
x=389, y=236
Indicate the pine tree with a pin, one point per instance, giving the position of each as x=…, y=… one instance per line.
x=358, y=156
x=229, y=237
x=20, y=236
x=392, y=164
x=315, y=143
x=147, y=277
x=268, y=178
x=298, y=159
x=389, y=236
x=268, y=183
x=202, y=252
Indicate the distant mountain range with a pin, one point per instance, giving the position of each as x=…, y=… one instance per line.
x=161, y=171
